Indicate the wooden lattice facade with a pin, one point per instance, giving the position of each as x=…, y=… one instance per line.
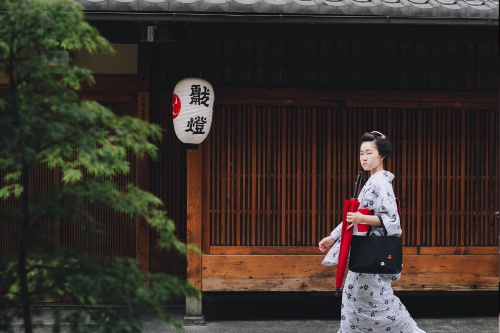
x=291, y=104
x=277, y=185
x=279, y=174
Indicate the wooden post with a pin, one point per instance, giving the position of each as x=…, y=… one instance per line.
x=194, y=314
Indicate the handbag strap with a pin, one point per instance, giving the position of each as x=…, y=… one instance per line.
x=398, y=203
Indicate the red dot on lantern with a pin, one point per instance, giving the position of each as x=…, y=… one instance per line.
x=176, y=106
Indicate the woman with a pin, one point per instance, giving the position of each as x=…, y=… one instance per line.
x=368, y=301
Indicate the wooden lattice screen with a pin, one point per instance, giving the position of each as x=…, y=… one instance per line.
x=168, y=171
x=279, y=174
x=9, y=242
x=118, y=238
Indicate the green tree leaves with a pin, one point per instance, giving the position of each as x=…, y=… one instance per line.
x=44, y=125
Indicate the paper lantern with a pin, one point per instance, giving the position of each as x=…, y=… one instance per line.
x=192, y=108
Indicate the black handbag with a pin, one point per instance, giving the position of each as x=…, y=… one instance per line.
x=376, y=254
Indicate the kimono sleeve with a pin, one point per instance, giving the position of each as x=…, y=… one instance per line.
x=337, y=232
x=387, y=211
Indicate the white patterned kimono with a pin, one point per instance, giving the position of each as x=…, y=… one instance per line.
x=368, y=301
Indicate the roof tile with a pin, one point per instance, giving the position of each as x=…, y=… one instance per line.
x=467, y=9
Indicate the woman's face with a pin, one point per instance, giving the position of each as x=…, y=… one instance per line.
x=370, y=158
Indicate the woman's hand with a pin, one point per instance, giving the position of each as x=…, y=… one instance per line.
x=354, y=218
x=326, y=243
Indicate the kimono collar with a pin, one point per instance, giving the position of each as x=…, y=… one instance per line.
x=383, y=174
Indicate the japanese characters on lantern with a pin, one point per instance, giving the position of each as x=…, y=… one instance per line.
x=192, y=108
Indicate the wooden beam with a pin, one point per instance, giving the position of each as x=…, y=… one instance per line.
x=458, y=250
x=194, y=314
x=194, y=214
x=357, y=98
x=289, y=250
x=306, y=273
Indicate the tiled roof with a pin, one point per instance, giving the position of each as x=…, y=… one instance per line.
x=476, y=10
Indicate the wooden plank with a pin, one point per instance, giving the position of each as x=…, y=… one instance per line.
x=282, y=250
x=450, y=272
x=291, y=101
x=306, y=273
x=194, y=213
x=479, y=105
x=252, y=95
x=458, y=250
x=382, y=103
x=377, y=34
x=383, y=100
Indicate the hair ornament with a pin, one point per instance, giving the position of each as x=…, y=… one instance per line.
x=377, y=133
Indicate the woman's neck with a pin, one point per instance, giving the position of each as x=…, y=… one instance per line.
x=377, y=169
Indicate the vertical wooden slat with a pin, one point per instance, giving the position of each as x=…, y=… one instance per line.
x=284, y=178
x=418, y=176
x=463, y=178
x=212, y=202
x=228, y=177
x=217, y=183
x=313, y=179
x=247, y=141
x=268, y=175
x=448, y=183
x=299, y=174
x=258, y=171
x=492, y=178
x=254, y=177
x=436, y=205
x=237, y=153
x=275, y=149
x=142, y=181
x=328, y=178
x=206, y=192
